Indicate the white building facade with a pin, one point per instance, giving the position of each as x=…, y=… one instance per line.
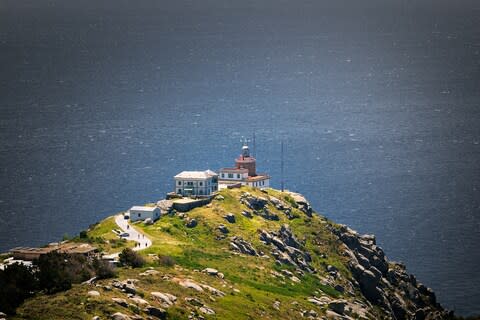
x=244, y=173
x=141, y=213
x=196, y=183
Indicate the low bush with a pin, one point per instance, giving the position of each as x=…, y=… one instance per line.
x=128, y=257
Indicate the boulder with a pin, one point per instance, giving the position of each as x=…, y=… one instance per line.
x=121, y=302
x=212, y=290
x=140, y=301
x=242, y=246
x=148, y=221
x=120, y=316
x=166, y=299
x=194, y=301
x=191, y=223
x=276, y=305
x=156, y=312
x=247, y=214
x=223, y=229
x=252, y=202
x=149, y=273
x=337, y=306
x=190, y=284
x=206, y=310
x=93, y=293
x=230, y=217
x=165, y=206
x=210, y=271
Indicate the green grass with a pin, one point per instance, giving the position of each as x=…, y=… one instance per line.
x=194, y=249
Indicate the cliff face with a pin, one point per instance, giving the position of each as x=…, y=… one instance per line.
x=249, y=254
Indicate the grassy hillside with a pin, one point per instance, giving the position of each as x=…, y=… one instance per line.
x=300, y=270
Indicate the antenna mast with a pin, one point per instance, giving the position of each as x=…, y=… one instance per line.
x=254, y=153
x=281, y=167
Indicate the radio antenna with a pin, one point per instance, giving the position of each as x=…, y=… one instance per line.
x=281, y=169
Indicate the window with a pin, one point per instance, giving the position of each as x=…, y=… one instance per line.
x=179, y=191
x=139, y=215
x=230, y=175
x=223, y=175
x=179, y=183
x=238, y=175
x=200, y=192
x=201, y=183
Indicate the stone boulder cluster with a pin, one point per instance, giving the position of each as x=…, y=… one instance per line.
x=386, y=284
x=286, y=248
x=259, y=206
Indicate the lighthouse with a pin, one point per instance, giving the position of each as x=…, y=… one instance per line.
x=244, y=172
x=246, y=161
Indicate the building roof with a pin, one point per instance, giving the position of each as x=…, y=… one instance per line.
x=143, y=208
x=234, y=170
x=258, y=177
x=200, y=175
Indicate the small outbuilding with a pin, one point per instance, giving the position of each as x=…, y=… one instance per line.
x=141, y=213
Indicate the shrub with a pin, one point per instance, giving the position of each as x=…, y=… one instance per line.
x=17, y=283
x=128, y=257
x=166, y=261
x=103, y=269
x=53, y=272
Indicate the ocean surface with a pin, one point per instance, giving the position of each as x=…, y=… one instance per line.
x=378, y=103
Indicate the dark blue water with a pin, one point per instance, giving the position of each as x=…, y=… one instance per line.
x=102, y=102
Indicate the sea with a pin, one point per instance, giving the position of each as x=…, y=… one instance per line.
x=377, y=103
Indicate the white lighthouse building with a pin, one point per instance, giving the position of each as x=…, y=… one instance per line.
x=243, y=173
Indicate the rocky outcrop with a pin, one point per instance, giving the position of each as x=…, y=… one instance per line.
x=252, y=202
x=386, y=284
x=191, y=223
x=242, y=246
x=223, y=229
x=286, y=248
x=302, y=203
x=165, y=299
x=127, y=285
x=230, y=217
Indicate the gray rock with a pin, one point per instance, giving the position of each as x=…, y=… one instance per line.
x=223, y=229
x=276, y=305
x=206, y=310
x=210, y=271
x=120, y=316
x=96, y=318
x=254, y=203
x=247, y=214
x=93, y=293
x=165, y=206
x=140, y=301
x=121, y=302
x=219, y=197
x=156, y=312
x=230, y=217
x=191, y=223
x=194, y=301
x=267, y=214
x=238, y=244
x=337, y=306
x=166, y=299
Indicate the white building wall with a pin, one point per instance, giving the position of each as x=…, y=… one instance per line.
x=136, y=215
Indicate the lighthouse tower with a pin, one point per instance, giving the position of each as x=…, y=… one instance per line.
x=246, y=161
x=244, y=172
